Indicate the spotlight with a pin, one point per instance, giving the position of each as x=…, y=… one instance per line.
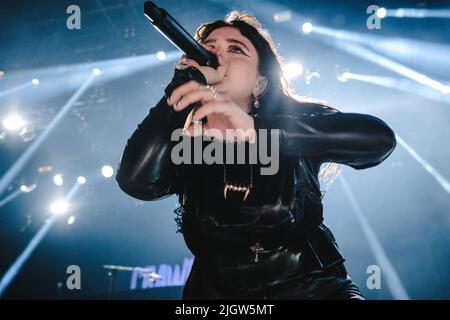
x=381, y=13
x=343, y=77
x=107, y=171
x=13, y=123
x=311, y=75
x=282, y=16
x=96, y=71
x=44, y=169
x=35, y=82
x=307, y=27
x=81, y=180
x=59, y=207
x=26, y=189
x=445, y=90
x=2, y=73
x=292, y=70
x=400, y=13
x=58, y=179
x=161, y=55
x=71, y=220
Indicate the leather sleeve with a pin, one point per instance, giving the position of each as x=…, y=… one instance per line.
x=145, y=169
x=357, y=140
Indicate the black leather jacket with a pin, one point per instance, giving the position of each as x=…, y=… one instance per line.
x=281, y=208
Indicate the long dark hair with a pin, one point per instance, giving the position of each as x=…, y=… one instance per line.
x=270, y=66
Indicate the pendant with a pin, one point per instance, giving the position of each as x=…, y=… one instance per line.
x=236, y=188
x=257, y=249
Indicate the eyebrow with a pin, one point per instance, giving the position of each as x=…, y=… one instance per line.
x=230, y=41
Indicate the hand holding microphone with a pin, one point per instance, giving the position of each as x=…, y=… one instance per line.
x=215, y=107
x=212, y=76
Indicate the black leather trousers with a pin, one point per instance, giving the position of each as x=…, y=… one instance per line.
x=209, y=281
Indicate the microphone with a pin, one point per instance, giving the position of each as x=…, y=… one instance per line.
x=179, y=37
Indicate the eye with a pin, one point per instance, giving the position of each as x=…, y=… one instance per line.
x=236, y=48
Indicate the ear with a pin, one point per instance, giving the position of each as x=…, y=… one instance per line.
x=261, y=85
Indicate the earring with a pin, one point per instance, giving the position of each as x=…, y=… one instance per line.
x=256, y=102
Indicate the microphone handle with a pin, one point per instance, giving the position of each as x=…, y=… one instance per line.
x=178, y=36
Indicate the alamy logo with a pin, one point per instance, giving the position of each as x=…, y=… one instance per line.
x=74, y=280
x=74, y=20
x=213, y=153
x=374, y=280
x=373, y=21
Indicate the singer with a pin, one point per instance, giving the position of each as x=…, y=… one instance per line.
x=254, y=236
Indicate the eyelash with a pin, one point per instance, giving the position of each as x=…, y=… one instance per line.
x=236, y=47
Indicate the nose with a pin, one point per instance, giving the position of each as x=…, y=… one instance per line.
x=217, y=52
x=213, y=50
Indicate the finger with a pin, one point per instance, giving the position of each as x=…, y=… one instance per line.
x=191, y=97
x=213, y=132
x=193, y=130
x=222, y=63
x=192, y=63
x=189, y=63
x=221, y=60
x=204, y=95
x=182, y=90
x=210, y=108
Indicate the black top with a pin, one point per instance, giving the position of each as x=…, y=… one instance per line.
x=286, y=204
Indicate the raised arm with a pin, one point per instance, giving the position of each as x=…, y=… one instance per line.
x=357, y=140
x=145, y=170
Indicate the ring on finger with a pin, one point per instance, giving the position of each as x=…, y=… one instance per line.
x=213, y=90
